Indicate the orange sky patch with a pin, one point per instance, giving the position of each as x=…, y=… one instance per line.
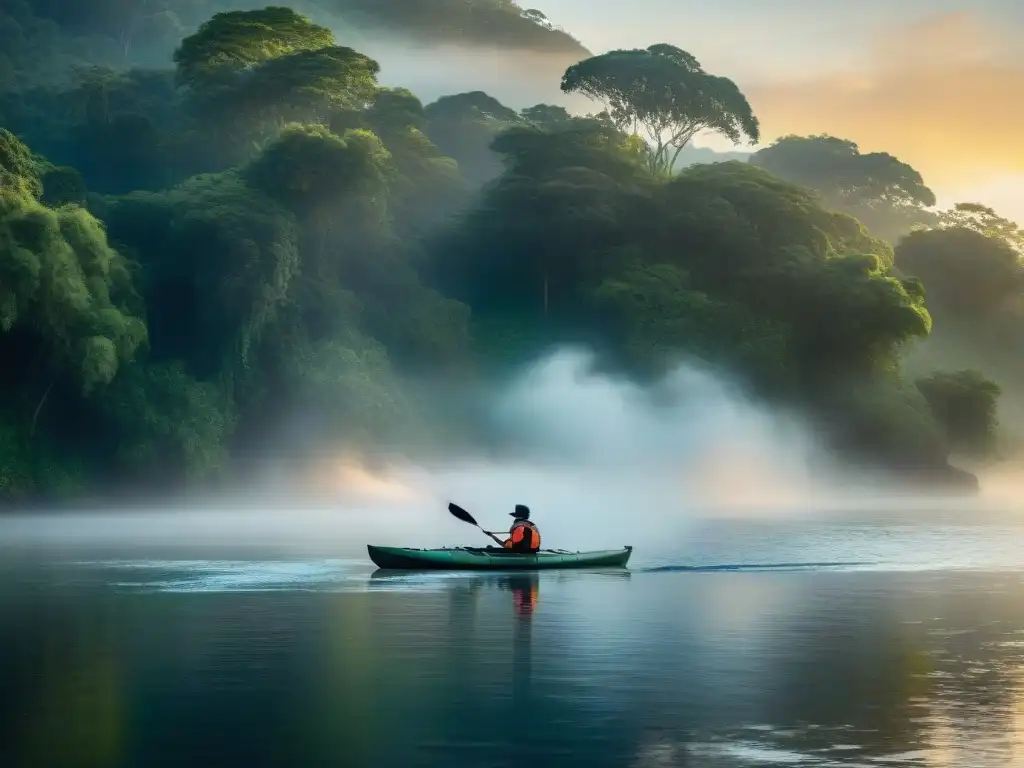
x=946, y=96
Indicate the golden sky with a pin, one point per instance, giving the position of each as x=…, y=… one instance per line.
x=945, y=95
x=938, y=83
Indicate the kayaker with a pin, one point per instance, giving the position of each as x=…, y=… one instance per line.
x=524, y=536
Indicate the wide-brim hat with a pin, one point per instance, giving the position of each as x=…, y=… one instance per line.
x=522, y=512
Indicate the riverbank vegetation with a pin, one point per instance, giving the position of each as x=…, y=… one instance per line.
x=193, y=257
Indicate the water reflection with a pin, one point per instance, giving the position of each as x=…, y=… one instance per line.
x=602, y=669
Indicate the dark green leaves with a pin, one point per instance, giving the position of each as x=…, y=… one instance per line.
x=19, y=171
x=249, y=71
x=963, y=270
x=311, y=170
x=237, y=40
x=60, y=280
x=964, y=403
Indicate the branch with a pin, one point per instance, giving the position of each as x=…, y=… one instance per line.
x=39, y=407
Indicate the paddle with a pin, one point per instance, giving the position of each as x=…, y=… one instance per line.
x=465, y=517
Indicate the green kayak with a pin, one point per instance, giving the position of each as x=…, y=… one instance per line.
x=493, y=559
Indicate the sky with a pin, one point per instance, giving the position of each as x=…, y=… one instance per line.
x=938, y=83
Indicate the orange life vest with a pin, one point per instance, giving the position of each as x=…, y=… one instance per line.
x=523, y=537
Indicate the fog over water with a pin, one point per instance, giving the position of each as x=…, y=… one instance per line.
x=596, y=458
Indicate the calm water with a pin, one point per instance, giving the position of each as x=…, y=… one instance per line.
x=817, y=645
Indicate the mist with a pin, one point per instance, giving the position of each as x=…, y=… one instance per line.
x=601, y=461
x=517, y=78
x=955, y=346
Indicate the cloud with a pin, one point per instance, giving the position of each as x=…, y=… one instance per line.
x=945, y=95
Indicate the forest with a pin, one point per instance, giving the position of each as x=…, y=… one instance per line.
x=216, y=223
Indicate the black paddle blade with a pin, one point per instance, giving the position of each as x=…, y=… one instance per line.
x=462, y=514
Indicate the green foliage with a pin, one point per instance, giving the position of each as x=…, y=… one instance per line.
x=765, y=243
x=32, y=48
x=395, y=110
x=236, y=40
x=964, y=403
x=664, y=92
x=986, y=221
x=19, y=171
x=660, y=315
x=60, y=278
x=305, y=83
x=463, y=126
x=63, y=186
x=348, y=383
x=884, y=422
x=965, y=272
x=218, y=258
x=836, y=166
x=311, y=171
x=169, y=425
x=292, y=244
x=547, y=116
x=248, y=72
x=16, y=475
x=31, y=469
x=888, y=195
x=545, y=230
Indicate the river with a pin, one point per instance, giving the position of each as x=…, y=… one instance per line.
x=754, y=644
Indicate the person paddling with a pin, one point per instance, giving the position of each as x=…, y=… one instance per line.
x=524, y=536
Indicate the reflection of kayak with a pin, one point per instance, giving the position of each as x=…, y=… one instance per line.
x=493, y=559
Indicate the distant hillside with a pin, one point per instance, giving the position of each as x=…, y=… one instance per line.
x=435, y=47
x=145, y=33
x=477, y=23
x=692, y=155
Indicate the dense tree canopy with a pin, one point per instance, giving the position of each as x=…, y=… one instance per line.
x=237, y=40
x=888, y=195
x=986, y=221
x=972, y=272
x=964, y=404
x=966, y=272
x=263, y=246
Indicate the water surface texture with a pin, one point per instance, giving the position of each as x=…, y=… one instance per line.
x=758, y=644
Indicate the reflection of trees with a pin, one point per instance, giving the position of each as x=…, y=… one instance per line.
x=865, y=673
x=456, y=670
x=63, y=698
x=899, y=670
x=343, y=694
x=418, y=655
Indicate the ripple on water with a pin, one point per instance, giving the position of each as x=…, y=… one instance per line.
x=227, y=575
x=332, y=575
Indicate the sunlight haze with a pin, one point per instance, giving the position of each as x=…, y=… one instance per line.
x=938, y=84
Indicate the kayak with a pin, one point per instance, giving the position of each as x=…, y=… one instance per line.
x=493, y=559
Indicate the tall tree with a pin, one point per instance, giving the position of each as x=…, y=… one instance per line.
x=663, y=92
